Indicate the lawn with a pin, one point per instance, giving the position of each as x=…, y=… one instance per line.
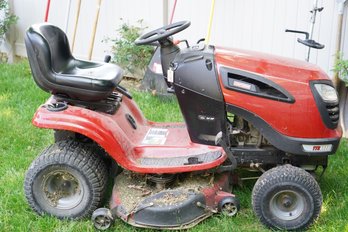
x=21, y=142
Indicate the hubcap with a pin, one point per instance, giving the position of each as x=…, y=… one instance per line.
x=62, y=189
x=287, y=205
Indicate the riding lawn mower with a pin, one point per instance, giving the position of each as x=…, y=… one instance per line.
x=241, y=109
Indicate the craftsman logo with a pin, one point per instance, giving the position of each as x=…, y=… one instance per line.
x=317, y=148
x=242, y=85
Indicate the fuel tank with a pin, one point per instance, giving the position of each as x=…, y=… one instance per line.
x=278, y=91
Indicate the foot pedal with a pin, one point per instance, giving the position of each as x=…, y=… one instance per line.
x=193, y=160
x=171, y=90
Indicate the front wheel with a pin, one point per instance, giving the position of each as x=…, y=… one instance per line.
x=287, y=197
x=67, y=180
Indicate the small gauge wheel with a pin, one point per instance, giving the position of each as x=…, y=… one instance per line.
x=102, y=219
x=229, y=206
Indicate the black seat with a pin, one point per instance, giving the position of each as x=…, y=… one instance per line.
x=55, y=70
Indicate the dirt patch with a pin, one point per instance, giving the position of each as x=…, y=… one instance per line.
x=133, y=189
x=171, y=199
x=195, y=182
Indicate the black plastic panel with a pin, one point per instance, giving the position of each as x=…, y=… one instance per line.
x=329, y=112
x=253, y=84
x=199, y=94
x=271, y=156
x=195, y=70
x=205, y=117
x=171, y=214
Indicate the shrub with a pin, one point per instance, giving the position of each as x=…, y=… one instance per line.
x=6, y=18
x=341, y=68
x=128, y=55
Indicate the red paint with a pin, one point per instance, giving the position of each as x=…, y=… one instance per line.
x=220, y=190
x=301, y=119
x=123, y=143
x=47, y=10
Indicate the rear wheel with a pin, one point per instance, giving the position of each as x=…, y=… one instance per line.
x=67, y=180
x=287, y=197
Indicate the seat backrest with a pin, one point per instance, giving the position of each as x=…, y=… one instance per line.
x=48, y=53
x=55, y=41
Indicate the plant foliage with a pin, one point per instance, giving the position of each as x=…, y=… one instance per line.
x=128, y=55
x=6, y=18
x=341, y=68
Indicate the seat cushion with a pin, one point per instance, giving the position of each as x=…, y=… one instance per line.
x=90, y=75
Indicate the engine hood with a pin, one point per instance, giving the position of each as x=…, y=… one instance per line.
x=268, y=65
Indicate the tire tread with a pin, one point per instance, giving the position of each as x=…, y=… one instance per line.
x=281, y=174
x=73, y=154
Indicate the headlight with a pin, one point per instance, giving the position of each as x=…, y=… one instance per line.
x=327, y=92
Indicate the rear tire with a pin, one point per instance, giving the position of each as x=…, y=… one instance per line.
x=67, y=180
x=287, y=198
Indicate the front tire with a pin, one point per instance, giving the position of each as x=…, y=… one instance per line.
x=287, y=197
x=67, y=180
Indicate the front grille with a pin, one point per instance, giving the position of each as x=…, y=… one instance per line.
x=334, y=112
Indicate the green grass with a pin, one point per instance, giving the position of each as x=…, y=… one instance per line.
x=20, y=143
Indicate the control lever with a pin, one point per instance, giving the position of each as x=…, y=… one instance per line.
x=200, y=40
x=124, y=91
x=107, y=58
x=186, y=42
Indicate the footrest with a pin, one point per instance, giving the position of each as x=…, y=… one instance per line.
x=182, y=160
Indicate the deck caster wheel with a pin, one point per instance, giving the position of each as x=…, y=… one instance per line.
x=102, y=219
x=229, y=206
x=287, y=198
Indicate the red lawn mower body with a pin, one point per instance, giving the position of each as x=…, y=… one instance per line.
x=300, y=119
x=241, y=109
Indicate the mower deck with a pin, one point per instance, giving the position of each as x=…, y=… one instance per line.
x=167, y=202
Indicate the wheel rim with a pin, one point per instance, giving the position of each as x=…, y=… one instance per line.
x=287, y=205
x=229, y=209
x=62, y=189
x=102, y=222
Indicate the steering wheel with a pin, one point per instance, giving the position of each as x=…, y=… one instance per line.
x=162, y=33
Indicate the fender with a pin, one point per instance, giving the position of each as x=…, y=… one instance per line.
x=101, y=128
x=122, y=140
